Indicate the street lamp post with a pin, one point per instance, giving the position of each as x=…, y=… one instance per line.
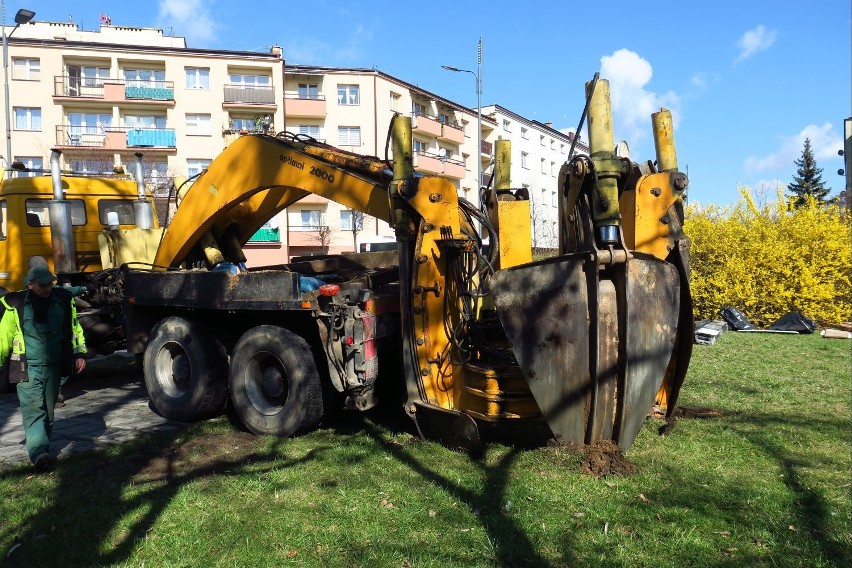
x=478, y=76
x=21, y=17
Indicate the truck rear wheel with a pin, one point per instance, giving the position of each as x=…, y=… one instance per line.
x=274, y=383
x=183, y=371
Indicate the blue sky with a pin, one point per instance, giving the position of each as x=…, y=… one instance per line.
x=746, y=81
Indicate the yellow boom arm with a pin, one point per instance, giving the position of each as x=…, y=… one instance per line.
x=256, y=177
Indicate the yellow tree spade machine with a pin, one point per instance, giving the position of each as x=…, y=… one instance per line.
x=477, y=341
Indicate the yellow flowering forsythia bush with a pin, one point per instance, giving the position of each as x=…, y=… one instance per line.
x=768, y=259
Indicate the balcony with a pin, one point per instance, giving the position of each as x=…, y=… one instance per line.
x=305, y=107
x=266, y=235
x=306, y=235
x=113, y=90
x=452, y=133
x=429, y=163
x=252, y=96
x=425, y=124
x=114, y=137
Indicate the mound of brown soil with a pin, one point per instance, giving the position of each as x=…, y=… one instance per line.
x=605, y=458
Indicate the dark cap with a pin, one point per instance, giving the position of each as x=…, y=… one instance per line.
x=40, y=275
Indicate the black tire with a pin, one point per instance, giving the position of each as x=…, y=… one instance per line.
x=184, y=371
x=274, y=383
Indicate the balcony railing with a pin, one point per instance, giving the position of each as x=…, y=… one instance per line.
x=113, y=89
x=114, y=137
x=266, y=235
x=252, y=95
x=306, y=106
x=307, y=228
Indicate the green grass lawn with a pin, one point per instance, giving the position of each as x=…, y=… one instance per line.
x=765, y=483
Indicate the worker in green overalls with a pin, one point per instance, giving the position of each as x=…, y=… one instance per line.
x=41, y=341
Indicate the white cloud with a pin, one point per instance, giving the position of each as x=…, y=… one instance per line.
x=632, y=103
x=314, y=51
x=189, y=18
x=825, y=143
x=754, y=41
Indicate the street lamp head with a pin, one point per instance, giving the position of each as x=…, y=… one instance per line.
x=450, y=68
x=23, y=16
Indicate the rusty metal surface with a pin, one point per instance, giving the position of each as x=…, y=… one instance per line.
x=652, y=304
x=544, y=310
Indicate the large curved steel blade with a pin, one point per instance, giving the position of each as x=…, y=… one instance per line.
x=652, y=305
x=544, y=309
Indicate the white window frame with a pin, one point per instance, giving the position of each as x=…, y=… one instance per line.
x=198, y=124
x=26, y=68
x=309, y=91
x=195, y=166
x=525, y=133
x=525, y=160
x=31, y=163
x=246, y=80
x=346, y=216
x=543, y=166
x=394, y=101
x=143, y=77
x=541, y=139
x=197, y=78
x=28, y=118
x=310, y=218
x=507, y=126
x=348, y=94
x=349, y=135
x=312, y=130
x=144, y=121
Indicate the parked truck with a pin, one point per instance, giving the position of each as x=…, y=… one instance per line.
x=475, y=341
x=56, y=218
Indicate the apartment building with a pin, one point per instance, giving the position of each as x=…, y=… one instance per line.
x=352, y=109
x=538, y=152
x=102, y=96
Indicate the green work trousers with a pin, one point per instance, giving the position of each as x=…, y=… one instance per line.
x=37, y=397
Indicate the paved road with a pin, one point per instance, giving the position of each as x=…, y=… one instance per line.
x=108, y=405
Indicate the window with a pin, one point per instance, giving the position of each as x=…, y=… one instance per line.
x=27, y=69
x=144, y=77
x=249, y=80
x=310, y=218
x=553, y=168
x=31, y=163
x=197, y=78
x=541, y=139
x=347, y=216
x=308, y=91
x=348, y=95
x=507, y=126
x=312, y=130
x=420, y=147
x=123, y=207
x=525, y=134
x=543, y=166
x=553, y=198
x=444, y=118
x=349, y=135
x=553, y=144
x=144, y=121
x=524, y=161
x=198, y=124
x=27, y=118
x=86, y=76
x=394, y=101
x=39, y=216
x=562, y=148
x=242, y=123
x=195, y=167
x=418, y=109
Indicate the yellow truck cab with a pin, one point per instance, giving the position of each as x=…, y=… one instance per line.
x=25, y=221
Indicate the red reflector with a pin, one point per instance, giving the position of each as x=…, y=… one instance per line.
x=349, y=341
x=329, y=289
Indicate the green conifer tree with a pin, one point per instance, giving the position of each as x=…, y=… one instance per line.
x=808, y=179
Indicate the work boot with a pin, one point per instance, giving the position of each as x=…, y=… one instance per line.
x=42, y=462
x=60, y=400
